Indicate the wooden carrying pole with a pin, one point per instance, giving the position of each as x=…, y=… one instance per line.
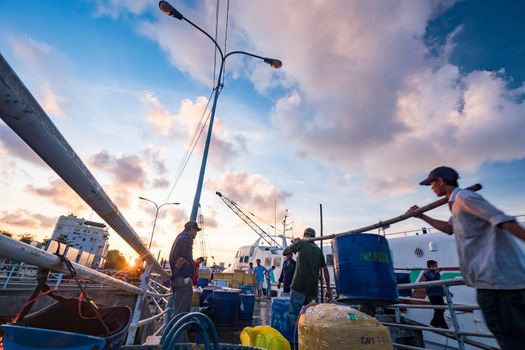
x=399, y=218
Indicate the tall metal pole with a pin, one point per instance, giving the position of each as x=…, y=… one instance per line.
x=168, y=9
x=154, y=224
x=196, y=199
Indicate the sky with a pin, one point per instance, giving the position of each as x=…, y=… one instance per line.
x=371, y=96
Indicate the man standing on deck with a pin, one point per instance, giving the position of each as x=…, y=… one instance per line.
x=306, y=277
x=259, y=278
x=250, y=268
x=287, y=273
x=183, y=268
x=490, y=258
x=435, y=294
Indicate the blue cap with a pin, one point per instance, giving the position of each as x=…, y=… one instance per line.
x=442, y=172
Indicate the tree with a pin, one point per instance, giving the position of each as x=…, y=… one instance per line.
x=6, y=233
x=115, y=260
x=26, y=238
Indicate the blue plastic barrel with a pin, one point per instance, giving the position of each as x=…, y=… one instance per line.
x=363, y=269
x=225, y=304
x=205, y=297
x=246, y=289
x=280, y=319
x=246, y=307
x=202, y=282
x=29, y=338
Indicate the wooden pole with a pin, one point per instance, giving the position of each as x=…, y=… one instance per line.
x=399, y=218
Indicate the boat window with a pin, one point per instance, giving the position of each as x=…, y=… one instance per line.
x=277, y=262
x=246, y=258
x=267, y=261
x=240, y=259
x=329, y=259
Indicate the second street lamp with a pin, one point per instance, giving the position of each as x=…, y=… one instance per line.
x=156, y=216
x=274, y=63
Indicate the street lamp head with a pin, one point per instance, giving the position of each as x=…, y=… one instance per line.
x=274, y=63
x=166, y=7
x=144, y=199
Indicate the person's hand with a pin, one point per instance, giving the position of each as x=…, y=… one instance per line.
x=412, y=210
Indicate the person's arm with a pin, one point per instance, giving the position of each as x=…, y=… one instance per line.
x=293, y=248
x=514, y=228
x=328, y=294
x=441, y=225
x=281, y=278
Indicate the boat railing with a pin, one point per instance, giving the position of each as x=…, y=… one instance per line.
x=21, y=275
x=461, y=336
x=23, y=114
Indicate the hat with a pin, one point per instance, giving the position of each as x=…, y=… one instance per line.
x=192, y=225
x=442, y=172
x=309, y=231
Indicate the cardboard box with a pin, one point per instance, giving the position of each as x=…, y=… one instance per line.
x=249, y=278
x=238, y=277
x=223, y=276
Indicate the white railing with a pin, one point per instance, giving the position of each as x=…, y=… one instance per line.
x=456, y=333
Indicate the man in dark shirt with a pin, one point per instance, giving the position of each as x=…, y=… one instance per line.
x=306, y=276
x=183, y=268
x=287, y=273
x=435, y=294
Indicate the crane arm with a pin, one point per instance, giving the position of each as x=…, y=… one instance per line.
x=253, y=225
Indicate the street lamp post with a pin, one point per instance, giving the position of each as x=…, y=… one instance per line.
x=274, y=63
x=156, y=215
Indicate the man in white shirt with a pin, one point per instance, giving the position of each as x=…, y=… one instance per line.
x=489, y=256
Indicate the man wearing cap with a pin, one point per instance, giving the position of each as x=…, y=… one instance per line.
x=306, y=276
x=183, y=268
x=287, y=273
x=490, y=258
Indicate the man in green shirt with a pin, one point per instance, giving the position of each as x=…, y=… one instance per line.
x=310, y=260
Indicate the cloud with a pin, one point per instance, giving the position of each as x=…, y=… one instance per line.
x=115, y=8
x=187, y=124
x=128, y=170
x=210, y=220
x=12, y=145
x=367, y=92
x=47, y=65
x=376, y=101
x=157, y=116
x=26, y=219
x=251, y=192
x=60, y=194
x=52, y=103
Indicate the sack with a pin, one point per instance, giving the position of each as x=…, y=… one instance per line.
x=76, y=316
x=264, y=337
x=338, y=327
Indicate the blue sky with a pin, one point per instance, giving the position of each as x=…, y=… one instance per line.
x=371, y=96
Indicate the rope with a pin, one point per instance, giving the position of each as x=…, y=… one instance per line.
x=187, y=155
x=226, y=36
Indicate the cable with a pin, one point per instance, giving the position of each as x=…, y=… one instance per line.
x=195, y=137
x=226, y=36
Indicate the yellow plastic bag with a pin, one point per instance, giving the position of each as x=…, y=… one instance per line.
x=264, y=337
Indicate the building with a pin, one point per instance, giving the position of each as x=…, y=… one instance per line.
x=86, y=236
